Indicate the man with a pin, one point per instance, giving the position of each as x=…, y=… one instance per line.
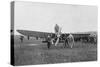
x=21, y=38
x=48, y=42
x=66, y=42
x=70, y=40
x=28, y=37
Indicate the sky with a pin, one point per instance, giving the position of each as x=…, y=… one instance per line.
x=43, y=17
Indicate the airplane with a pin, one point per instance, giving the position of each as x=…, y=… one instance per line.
x=52, y=38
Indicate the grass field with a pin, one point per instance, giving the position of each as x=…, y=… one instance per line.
x=35, y=52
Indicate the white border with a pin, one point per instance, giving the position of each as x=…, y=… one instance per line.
x=5, y=29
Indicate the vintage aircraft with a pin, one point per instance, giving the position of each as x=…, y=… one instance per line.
x=53, y=38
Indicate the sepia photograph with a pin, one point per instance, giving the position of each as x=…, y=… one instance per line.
x=50, y=33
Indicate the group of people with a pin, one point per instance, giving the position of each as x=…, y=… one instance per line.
x=22, y=38
x=69, y=41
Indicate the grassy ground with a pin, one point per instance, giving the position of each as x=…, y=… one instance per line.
x=27, y=53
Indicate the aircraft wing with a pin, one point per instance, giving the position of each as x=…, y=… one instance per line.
x=46, y=34
x=34, y=33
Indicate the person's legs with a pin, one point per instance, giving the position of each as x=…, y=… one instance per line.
x=21, y=40
x=67, y=44
x=64, y=44
x=72, y=43
x=48, y=45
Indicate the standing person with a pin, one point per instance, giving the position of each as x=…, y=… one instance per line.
x=71, y=40
x=48, y=42
x=28, y=37
x=21, y=38
x=66, y=43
